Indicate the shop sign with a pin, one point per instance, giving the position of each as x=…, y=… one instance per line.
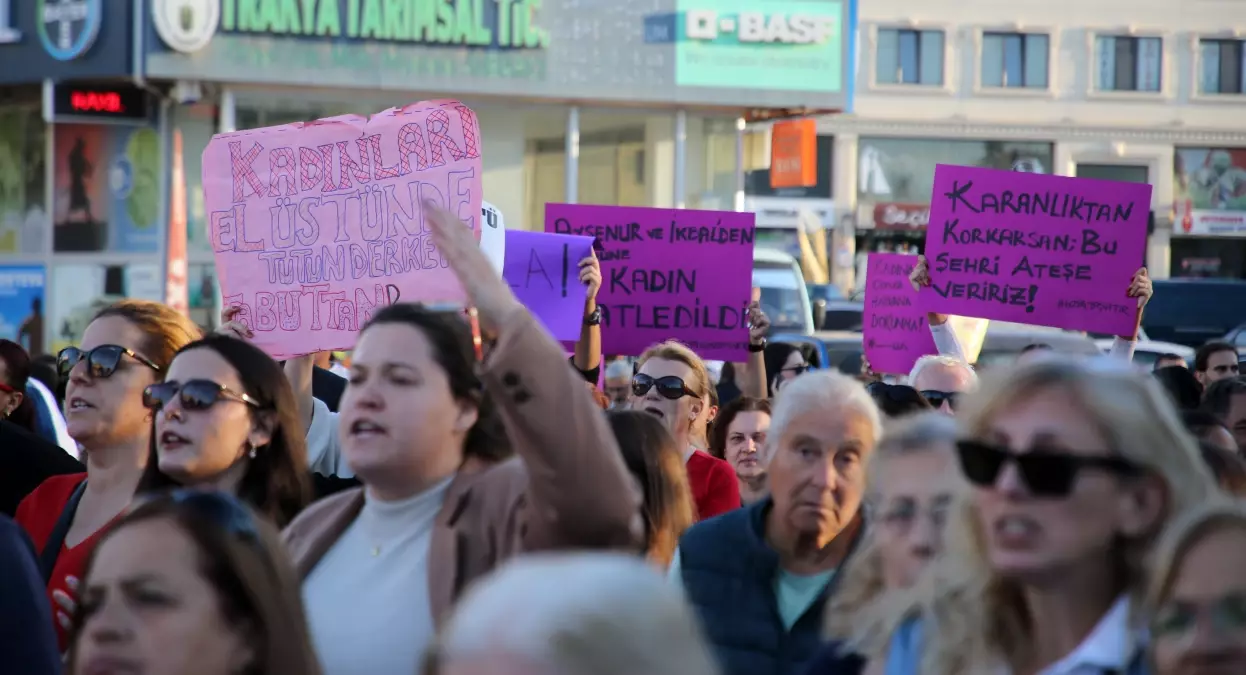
x=892, y=216
x=120, y=103
x=186, y=25
x=8, y=32
x=473, y=23
x=793, y=154
x=68, y=28
x=759, y=27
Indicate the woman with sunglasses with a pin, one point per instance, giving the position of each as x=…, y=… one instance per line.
x=428, y=427
x=672, y=384
x=226, y=418
x=784, y=361
x=1196, y=602
x=191, y=583
x=739, y=437
x=897, y=400
x=1074, y=470
x=126, y=347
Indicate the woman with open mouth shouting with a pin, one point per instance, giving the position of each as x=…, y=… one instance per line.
x=426, y=424
x=127, y=347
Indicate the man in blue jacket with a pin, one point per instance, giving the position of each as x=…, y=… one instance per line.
x=759, y=576
x=27, y=641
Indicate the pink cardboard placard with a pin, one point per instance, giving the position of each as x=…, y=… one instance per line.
x=1037, y=249
x=668, y=274
x=895, y=332
x=316, y=225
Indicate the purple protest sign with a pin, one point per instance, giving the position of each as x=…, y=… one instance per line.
x=1037, y=249
x=895, y=330
x=668, y=274
x=543, y=271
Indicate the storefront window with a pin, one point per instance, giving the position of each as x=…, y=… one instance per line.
x=1125, y=173
x=545, y=165
x=902, y=169
x=23, y=217
x=625, y=156
x=711, y=178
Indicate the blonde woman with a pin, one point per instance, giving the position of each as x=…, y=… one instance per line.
x=1196, y=605
x=911, y=483
x=1074, y=468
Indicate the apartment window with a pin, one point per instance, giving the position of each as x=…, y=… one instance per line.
x=1014, y=60
x=1221, y=67
x=910, y=57
x=1128, y=63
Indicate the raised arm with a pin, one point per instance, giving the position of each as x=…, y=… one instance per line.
x=944, y=337
x=1140, y=287
x=579, y=492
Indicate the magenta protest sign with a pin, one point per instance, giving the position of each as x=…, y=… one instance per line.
x=543, y=271
x=668, y=274
x=317, y=225
x=895, y=331
x=1037, y=249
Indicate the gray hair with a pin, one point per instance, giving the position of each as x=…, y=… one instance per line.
x=583, y=614
x=619, y=368
x=951, y=362
x=822, y=390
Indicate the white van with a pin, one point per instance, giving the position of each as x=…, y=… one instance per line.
x=784, y=297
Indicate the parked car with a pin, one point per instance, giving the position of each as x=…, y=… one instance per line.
x=1147, y=352
x=1192, y=311
x=784, y=297
x=828, y=349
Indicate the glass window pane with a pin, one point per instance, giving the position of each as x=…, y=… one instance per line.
x=1012, y=61
x=1105, y=63
x=992, y=60
x=1241, y=84
x=932, y=57
x=887, y=59
x=1209, y=67
x=1230, y=67
x=1150, y=55
x=1036, y=58
x=908, y=56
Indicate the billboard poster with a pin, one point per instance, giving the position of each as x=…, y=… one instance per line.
x=78, y=291
x=1209, y=191
x=21, y=306
x=107, y=189
x=23, y=218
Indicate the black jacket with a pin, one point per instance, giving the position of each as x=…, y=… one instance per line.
x=27, y=640
x=26, y=460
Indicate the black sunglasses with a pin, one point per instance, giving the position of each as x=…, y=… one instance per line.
x=1046, y=474
x=669, y=387
x=101, y=362
x=796, y=370
x=937, y=397
x=898, y=393
x=192, y=395
x=222, y=509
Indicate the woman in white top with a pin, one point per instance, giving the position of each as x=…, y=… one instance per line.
x=1075, y=467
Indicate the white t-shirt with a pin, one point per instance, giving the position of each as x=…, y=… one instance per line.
x=324, y=449
x=367, y=600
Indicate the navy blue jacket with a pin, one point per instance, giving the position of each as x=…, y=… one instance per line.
x=728, y=571
x=27, y=640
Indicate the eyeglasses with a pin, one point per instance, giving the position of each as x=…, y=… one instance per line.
x=102, y=361
x=1175, y=620
x=4, y=388
x=1045, y=474
x=897, y=393
x=222, y=509
x=937, y=397
x=192, y=395
x=796, y=370
x=669, y=387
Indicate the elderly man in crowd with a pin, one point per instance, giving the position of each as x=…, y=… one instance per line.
x=759, y=576
x=941, y=380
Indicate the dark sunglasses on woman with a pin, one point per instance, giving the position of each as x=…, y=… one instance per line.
x=937, y=397
x=192, y=395
x=1045, y=474
x=101, y=362
x=669, y=387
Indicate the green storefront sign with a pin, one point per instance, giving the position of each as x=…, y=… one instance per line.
x=506, y=24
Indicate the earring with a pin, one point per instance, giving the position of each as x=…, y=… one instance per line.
x=250, y=450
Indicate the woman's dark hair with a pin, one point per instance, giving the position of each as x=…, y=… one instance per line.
x=247, y=566
x=165, y=330
x=776, y=354
x=897, y=400
x=718, y=431
x=276, y=482
x=651, y=457
x=43, y=368
x=17, y=371
x=1199, y=422
x=1228, y=469
x=1181, y=385
x=451, y=339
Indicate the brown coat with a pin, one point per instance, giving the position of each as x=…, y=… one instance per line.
x=567, y=487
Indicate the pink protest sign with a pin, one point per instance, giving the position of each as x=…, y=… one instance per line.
x=316, y=225
x=1037, y=249
x=668, y=274
x=543, y=270
x=895, y=330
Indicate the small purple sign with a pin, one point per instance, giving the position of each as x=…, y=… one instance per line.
x=1037, y=249
x=544, y=272
x=668, y=274
x=895, y=331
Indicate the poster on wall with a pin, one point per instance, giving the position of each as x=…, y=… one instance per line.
x=78, y=291
x=107, y=183
x=23, y=218
x=21, y=306
x=197, y=125
x=1209, y=190
x=201, y=287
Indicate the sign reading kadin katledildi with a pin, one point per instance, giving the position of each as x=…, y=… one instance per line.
x=317, y=225
x=1037, y=249
x=668, y=274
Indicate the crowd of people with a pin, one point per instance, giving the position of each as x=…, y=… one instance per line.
x=469, y=501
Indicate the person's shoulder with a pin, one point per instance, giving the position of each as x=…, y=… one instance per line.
x=321, y=511
x=728, y=523
x=58, y=488
x=710, y=464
